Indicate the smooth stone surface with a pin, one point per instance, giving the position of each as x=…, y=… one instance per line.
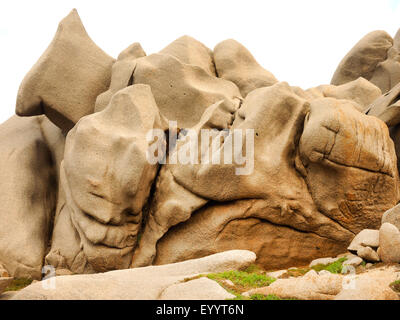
x=368, y=254
x=198, y=289
x=389, y=243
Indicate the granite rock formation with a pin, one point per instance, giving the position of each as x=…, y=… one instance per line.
x=80, y=193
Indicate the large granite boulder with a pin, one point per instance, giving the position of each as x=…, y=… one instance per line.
x=106, y=180
x=67, y=78
x=30, y=151
x=363, y=58
x=376, y=57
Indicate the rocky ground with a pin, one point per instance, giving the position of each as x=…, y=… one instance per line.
x=231, y=275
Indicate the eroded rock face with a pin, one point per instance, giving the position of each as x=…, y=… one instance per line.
x=376, y=57
x=316, y=172
x=67, y=78
x=182, y=91
x=97, y=228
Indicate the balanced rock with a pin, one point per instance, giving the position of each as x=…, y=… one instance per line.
x=67, y=78
x=389, y=243
x=235, y=63
x=362, y=59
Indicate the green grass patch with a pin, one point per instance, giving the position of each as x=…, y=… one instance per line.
x=243, y=278
x=18, y=284
x=334, y=267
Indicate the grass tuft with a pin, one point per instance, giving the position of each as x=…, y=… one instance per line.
x=243, y=278
x=18, y=284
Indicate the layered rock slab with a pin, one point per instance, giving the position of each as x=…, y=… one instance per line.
x=149, y=283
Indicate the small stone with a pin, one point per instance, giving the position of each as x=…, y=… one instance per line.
x=356, y=261
x=228, y=282
x=322, y=261
x=276, y=274
x=368, y=254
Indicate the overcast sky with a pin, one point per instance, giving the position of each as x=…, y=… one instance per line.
x=300, y=42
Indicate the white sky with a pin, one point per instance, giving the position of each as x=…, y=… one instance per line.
x=298, y=41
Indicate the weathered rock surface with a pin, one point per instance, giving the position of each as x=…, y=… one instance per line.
x=366, y=237
x=392, y=216
x=29, y=192
x=139, y=283
x=389, y=243
x=387, y=73
x=311, y=286
x=235, y=63
x=198, y=289
x=361, y=91
x=322, y=261
x=190, y=51
x=106, y=180
x=371, y=285
x=363, y=58
x=368, y=254
x=387, y=107
x=67, y=78
x=121, y=74
x=332, y=163
x=182, y=91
